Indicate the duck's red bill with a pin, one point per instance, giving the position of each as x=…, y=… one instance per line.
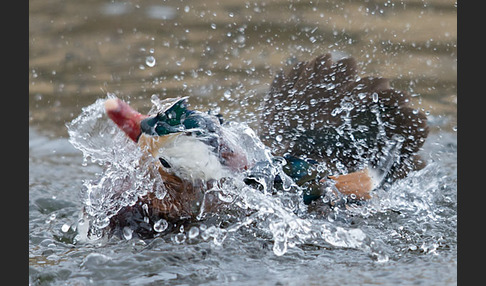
x=127, y=118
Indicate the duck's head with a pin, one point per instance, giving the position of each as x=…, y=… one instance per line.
x=186, y=142
x=174, y=118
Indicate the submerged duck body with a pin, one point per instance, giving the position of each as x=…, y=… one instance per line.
x=332, y=133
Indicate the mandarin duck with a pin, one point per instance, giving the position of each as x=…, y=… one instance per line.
x=332, y=132
x=324, y=111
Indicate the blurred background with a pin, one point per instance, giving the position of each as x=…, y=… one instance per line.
x=224, y=54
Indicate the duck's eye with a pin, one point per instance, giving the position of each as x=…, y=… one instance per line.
x=164, y=162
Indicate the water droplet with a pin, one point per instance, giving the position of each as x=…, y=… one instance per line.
x=179, y=238
x=65, y=227
x=241, y=39
x=150, y=61
x=145, y=209
x=227, y=94
x=193, y=232
x=187, y=9
x=279, y=138
x=347, y=106
x=213, y=26
x=161, y=225
x=127, y=233
x=336, y=111
x=204, y=232
x=51, y=218
x=374, y=96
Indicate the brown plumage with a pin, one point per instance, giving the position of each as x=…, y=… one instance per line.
x=323, y=110
x=357, y=184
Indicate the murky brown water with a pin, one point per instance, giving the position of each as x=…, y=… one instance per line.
x=79, y=51
x=223, y=54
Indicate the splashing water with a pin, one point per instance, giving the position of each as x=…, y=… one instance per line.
x=411, y=204
x=126, y=176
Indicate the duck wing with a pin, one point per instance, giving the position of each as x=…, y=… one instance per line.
x=324, y=110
